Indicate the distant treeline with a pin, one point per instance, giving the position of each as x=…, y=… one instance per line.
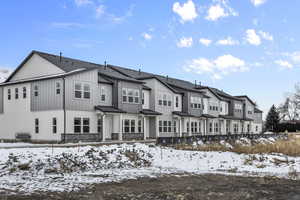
x=288, y=126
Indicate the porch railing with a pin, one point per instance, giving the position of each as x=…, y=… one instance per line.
x=83, y=137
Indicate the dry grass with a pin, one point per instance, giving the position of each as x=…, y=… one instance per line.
x=290, y=147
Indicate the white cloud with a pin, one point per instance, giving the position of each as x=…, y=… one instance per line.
x=216, y=68
x=227, y=42
x=185, y=42
x=186, y=11
x=4, y=73
x=294, y=56
x=266, y=36
x=284, y=64
x=258, y=2
x=147, y=36
x=253, y=38
x=100, y=11
x=205, y=41
x=66, y=25
x=220, y=10
x=83, y=2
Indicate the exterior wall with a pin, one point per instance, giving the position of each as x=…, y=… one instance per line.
x=36, y=66
x=235, y=113
x=213, y=101
x=129, y=107
x=108, y=93
x=206, y=106
x=18, y=118
x=224, y=106
x=249, y=107
x=179, y=108
x=89, y=77
x=71, y=114
x=47, y=98
x=257, y=118
x=146, y=99
x=258, y=126
x=1, y=100
x=193, y=111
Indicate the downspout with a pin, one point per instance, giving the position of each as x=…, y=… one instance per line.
x=64, y=106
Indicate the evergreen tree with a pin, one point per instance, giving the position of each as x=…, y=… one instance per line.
x=272, y=120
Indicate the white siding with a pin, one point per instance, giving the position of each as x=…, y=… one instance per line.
x=36, y=66
x=146, y=99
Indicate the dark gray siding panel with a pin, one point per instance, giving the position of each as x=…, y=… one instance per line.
x=238, y=114
x=257, y=117
x=196, y=112
x=129, y=107
x=47, y=98
x=89, y=77
x=1, y=99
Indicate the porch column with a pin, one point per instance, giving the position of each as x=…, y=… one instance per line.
x=204, y=127
x=103, y=128
x=224, y=126
x=120, y=128
x=190, y=127
x=180, y=127
x=144, y=127
x=157, y=126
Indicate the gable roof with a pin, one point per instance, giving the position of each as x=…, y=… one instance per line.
x=245, y=96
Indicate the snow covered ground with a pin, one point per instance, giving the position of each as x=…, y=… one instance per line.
x=29, y=170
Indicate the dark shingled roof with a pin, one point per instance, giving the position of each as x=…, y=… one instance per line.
x=104, y=80
x=145, y=87
x=150, y=112
x=256, y=110
x=109, y=109
x=234, y=118
x=208, y=116
x=182, y=114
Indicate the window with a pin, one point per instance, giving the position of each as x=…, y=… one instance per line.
x=57, y=87
x=36, y=91
x=216, y=127
x=9, y=94
x=164, y=99
x=86, y=91
x=175, y=126
x=227, y=126
x=199, y=127
x=16, y=93
x=130, y=95
x=24, y=93
x=143, y=98
x=248, y=128
x=210, y=127
x=100, y=126
x=78, y=90
x=177, y=101
x=102, y=94
x=196, y=102
x=140, y=126
x=77, y=125
x=187, y=126
x=36, y=125
x=86, y=125
x=256, y=128
x=54, y=125
x=126, y=125
x=132, y=126
x=194, y=127
x=235, y=128
x=166, y=126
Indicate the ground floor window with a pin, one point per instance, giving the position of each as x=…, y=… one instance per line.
x=216, y=128
x=194, y=127
x=166, y=126
x=77, y=125
x=132, y=126
x=100, y=125
x=54, y=125
x=227, y=126
x=256, y=128
x=210, y=127
x=86, y=125
x=140, y=126
x=81, y=125
x=37, y=124
x=235, y=128
x=248, y=128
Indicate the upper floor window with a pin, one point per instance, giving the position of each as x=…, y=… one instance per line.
x=164, y=99
x=82, y=91
x=36, y=91
x=24, y=93
x=9, y=94
x=130, y=95
x=249, y=112
x=16, y=93
x=57, y=87
x=102, y=94
x=196, y=102
x=143, y=98
x=177, y=101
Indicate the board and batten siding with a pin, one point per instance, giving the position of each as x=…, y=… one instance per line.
x=129, y=107
x=108, y=94
x=88, y=77
x=193, y=111
x=47, y=98
x=1, y=99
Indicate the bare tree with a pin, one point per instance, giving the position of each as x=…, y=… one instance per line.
x=290, y=109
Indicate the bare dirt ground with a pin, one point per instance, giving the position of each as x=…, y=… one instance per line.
x=189, y=187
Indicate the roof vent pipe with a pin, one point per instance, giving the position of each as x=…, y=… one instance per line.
x=199, y=83
x=139, y=71
x=60, y=55
x=105, y=64
x=195, y=83
x=167, y=77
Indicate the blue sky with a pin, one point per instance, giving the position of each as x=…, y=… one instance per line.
x=243, y=47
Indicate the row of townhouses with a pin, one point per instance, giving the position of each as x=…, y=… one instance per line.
x=54, y=98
